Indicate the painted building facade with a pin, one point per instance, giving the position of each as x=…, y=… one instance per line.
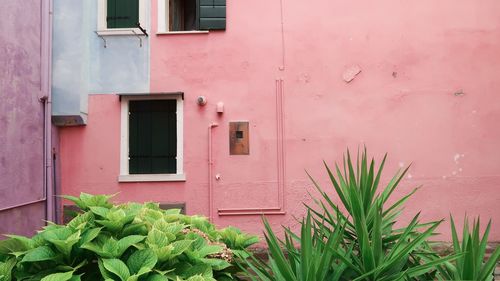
x=26, y=160
x=286, y=85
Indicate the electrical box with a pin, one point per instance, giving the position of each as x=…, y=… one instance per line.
x=239, y=138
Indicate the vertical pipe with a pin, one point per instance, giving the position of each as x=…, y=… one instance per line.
x=210, y=174
x=47, y=58
x=283, y=149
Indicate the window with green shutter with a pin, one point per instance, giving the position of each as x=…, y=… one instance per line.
x=122, y=13
x=189, y=15
x=152, y=137
x=212, y=14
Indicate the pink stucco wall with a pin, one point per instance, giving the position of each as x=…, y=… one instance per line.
x=427, y=94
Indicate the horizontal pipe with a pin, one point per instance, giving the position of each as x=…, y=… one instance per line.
x=252, y=213
x=23, y=204
x=249, y=209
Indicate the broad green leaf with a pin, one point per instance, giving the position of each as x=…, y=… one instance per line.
x=180, y=246
x=156, y=277
x=6, y=269
x=209, y=250
x=157, y=238
x=62, y=276
x=43, y=253
x=128, y=241
x=100, y=211
x=95, y=200
x=117, y=267
x=142, y=259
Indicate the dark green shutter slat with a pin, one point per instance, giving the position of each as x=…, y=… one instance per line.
x=123, y=13
x=212, y=14
x=212, y=2
x=110, y=16
x=152, y=137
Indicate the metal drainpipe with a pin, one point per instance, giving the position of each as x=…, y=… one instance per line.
x=210, y=173
x=48, y=8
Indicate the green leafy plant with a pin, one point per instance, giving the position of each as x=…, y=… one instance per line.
x=125, y=242
x=472, y=264
x=366, y=245
x=314, y=260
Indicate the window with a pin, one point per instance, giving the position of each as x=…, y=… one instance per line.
x=191, y=15
x=122, y=13
x=121, y=17
x=151, y=138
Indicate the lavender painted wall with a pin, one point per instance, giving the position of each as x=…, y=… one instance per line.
x=23, y=81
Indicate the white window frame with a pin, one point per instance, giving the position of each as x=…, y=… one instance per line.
x=163, y=19
x=102, y=27
x=124, y=140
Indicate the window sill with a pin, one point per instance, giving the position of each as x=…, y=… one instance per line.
x=182, y=32
x=120, y=31
x=151, y=177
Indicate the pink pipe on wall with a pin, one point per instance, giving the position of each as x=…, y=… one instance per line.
x=280, y=151
x=210, y=173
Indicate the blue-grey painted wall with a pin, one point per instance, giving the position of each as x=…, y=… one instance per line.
x=82, y=66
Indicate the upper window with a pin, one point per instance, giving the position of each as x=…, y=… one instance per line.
x=191, y=15
x=122, y=13
x=151, y=142
x=121, y=16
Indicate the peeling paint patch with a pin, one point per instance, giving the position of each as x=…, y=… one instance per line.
x=459, y=93
x=457, y=157
x=350, y=73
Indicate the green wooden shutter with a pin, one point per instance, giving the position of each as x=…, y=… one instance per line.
x=152, y=137
x=212, y=14
x=122, y=13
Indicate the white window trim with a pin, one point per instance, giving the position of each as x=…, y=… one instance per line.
x=102, y=27
x=163, y=18
x=124, y=140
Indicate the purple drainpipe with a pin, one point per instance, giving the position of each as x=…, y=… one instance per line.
x=46, y=88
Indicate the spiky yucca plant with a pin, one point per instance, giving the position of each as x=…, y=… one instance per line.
x=472, y=264
x=368, y=247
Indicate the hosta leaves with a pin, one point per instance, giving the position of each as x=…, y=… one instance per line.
x=209, y=250
x=216, y=264
x=142, y=260
x=163, y=253
x=117, y=267
x=128, y=241
x=81, y=221
x=180, y=246
x=6, y=269
x=13, y=246
x=156, y=277
x=157, y=238
x=95, y=200
x=62, y=238
x=63, y=276
x=92, y=244
x=111, y=248
x=100, y=211
x=43, y=253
